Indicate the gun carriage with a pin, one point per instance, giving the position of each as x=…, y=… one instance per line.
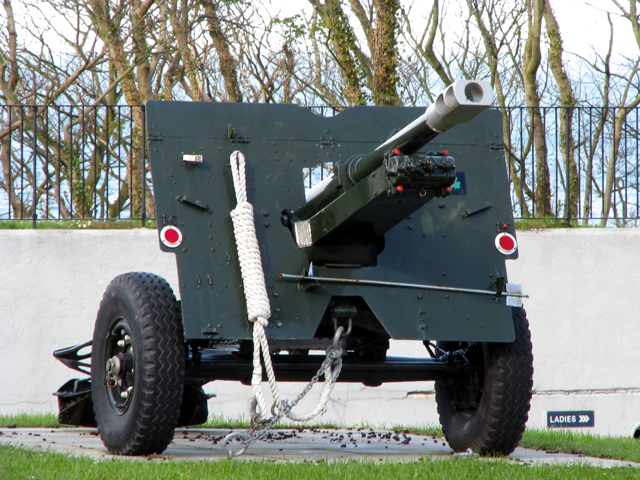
x=407, y=241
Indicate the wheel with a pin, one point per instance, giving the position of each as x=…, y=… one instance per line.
x=194, y=410
x=137, y=371
x=487, y=407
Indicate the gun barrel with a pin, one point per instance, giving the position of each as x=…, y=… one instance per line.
x=458, y=103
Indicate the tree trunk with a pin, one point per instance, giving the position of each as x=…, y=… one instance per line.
x=343, y=43
x=228, y=67
x=492, y=52
x=384, y=55
x=181, y=25
x=568, y=101
x=531, y=62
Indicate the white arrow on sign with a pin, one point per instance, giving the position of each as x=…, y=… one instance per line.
x=583, y=419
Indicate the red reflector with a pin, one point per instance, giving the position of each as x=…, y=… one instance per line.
x=396, y=152
x=400, y=188
x=171, y=236
x=449, y=189
x=506, y=243
x=445, y=152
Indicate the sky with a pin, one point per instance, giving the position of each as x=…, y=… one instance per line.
x=584, y=27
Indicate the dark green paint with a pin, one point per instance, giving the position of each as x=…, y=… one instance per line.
x=433, y=246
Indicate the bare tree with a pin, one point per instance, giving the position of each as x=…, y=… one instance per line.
x=628, y=102
x=228, y=64
x=567, y=101
x=531, y=60
x=500, y=31
x=345, y=52
x=36, y=77
x=365, y=75
x=596, y=134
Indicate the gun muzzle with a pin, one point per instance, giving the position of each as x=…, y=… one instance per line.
x=458, y=103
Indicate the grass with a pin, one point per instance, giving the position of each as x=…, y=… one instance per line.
x=18, y=464
x=621, y=448
x=30, y=420
x=545, y=223
x=75, y=224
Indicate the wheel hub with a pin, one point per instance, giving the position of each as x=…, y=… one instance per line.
x=469, y=382
x=120, y=367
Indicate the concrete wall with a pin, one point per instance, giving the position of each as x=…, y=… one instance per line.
x=585, y=325
x=584, y=288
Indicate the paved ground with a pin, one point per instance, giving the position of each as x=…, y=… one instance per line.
x=283, y=445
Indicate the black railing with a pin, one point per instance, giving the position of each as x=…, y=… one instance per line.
x=89, y=163
x=603, y=150
x=73, y=163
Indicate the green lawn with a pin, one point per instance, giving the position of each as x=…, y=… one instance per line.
x=18, y=464
x=622, y=448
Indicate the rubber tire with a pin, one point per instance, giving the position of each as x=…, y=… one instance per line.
x=496, y=426
x=149, y=307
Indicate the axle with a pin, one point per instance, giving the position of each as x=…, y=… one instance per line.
x=299, y=368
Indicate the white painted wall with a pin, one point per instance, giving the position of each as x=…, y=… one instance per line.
x=584, y=285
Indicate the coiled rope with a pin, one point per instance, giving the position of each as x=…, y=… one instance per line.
x=258, y=309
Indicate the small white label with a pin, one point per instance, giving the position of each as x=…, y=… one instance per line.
x=514, y=301
x=186, y=158
x=303, y=233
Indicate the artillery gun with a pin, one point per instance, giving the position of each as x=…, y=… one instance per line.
x=397, y=243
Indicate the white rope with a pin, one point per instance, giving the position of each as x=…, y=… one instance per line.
x=257, y=299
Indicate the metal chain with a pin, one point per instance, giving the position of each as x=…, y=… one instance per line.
x=330, y=368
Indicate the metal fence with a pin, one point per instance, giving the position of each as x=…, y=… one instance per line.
x=74, y=163
x=603, y=151
x=85, y=163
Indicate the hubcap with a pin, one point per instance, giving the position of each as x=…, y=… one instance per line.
x=120, y=366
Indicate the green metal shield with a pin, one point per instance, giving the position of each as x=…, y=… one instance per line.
x=448, y=242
